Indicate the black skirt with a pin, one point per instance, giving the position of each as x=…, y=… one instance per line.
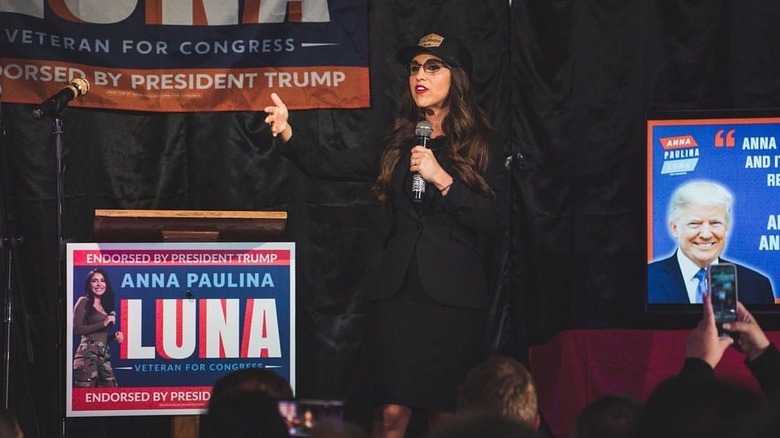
x=422, y=350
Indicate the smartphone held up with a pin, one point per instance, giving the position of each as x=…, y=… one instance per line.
x=722, y=288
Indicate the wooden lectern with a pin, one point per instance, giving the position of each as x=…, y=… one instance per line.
x=187, y=226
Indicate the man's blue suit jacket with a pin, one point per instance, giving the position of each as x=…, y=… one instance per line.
x=666, y=284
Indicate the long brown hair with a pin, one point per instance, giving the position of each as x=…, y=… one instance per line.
x=465, y=126
x=107, y=300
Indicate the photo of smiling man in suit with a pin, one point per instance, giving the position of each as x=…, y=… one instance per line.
x=699, y=216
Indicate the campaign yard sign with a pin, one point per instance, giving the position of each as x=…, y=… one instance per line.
x=166, y=320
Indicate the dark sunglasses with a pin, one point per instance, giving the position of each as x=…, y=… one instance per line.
x=431, y=67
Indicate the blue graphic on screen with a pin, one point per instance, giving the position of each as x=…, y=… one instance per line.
x=739, y=154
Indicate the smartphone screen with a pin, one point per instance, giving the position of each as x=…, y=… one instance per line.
x=302, y=416
x=722, y=287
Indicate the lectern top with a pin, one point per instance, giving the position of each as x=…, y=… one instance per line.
x=187, y=225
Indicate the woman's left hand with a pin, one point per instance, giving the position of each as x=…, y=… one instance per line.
x=119, y=337
x=424, y=162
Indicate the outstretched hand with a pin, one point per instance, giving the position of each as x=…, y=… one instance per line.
x=277, y=118
x=703, y=341
x=751, y=340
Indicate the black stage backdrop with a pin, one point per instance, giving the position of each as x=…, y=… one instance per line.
x=568, y=83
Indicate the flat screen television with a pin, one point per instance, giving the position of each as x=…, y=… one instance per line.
x=705, y=151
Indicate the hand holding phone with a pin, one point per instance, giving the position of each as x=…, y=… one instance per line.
x=722, y=289
x=749, y=338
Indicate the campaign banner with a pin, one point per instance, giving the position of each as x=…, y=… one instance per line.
x=738, y=153
x=152, y=326
x=187, y=55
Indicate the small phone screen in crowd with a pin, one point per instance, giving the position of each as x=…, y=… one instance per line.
x=302, y=415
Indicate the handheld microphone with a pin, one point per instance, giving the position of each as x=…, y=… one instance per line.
x=423, y=131
x=112, y=313
x=52, y=106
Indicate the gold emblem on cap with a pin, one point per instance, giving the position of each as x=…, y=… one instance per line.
x=431, y=40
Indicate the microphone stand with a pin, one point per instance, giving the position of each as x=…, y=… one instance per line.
x=57, y=133
x=52, y=107
x=8, y=242
x=61, y=242
x=59, y=148
x=6, y=245
x=7, y=255
x=500, y=316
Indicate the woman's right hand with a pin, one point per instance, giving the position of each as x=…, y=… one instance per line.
x=277, y=118
x=110, y=319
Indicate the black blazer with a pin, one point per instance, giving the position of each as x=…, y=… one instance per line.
x=666, y=284
x=766, y=369
x=451, y=237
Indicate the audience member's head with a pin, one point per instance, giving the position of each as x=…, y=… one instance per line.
x=9, y=428
x=696, y=407
x=501, y=385
x=611, y=416
x=243, y=415
x=244, y=403
x=251, y=380
x=483, y=424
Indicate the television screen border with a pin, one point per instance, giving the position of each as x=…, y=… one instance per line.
x=685, y=311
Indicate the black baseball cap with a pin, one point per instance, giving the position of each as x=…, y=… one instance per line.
x=448, y=49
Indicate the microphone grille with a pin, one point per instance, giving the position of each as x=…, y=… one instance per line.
x=424, y=128
x=82, y=85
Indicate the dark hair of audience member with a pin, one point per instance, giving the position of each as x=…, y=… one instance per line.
x=252, y=380
x=9, y=428
x=696, y=407
x=502, y=385
x=243, y=415
x=611, y=416
x=765, y=424
x=481, y=424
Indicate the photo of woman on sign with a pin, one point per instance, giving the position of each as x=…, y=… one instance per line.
x=93, y=315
